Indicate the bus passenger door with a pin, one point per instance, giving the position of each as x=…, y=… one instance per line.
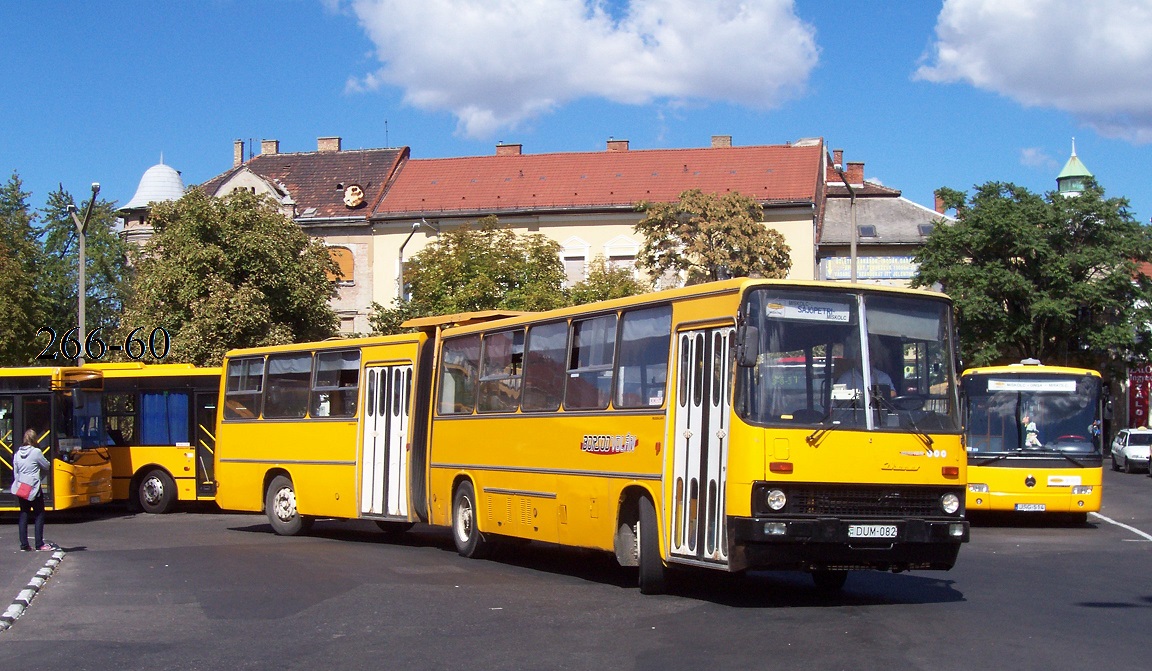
x=384, y=427
x=206, y=443
x=696, y=518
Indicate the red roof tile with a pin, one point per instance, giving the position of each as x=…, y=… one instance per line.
x=593, y=180
x=317, y=179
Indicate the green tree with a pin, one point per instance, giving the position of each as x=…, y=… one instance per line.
x=485, y=267
x=1050, y=277
x=705, y=236
x=605, y=281
x=106, y=265
x=21, y=310
x=229, y=272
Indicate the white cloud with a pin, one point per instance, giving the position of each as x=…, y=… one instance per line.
x=1036, y=157
x=497, y=63
x=1092, y=59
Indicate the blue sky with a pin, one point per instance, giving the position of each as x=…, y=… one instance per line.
x=926, y=94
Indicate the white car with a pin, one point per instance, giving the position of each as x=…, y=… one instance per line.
x=1131, y=449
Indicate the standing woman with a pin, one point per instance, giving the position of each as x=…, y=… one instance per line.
x=26, y=467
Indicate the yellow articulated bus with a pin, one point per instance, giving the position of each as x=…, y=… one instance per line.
x=1033, y=436
x=727, y=426
x=160, y=422
x=63, y=405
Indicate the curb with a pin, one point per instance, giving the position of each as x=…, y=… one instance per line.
x=20, y=604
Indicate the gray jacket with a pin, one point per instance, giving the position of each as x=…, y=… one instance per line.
x=26, y=467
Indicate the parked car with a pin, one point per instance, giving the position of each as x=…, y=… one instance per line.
x=1131, y=449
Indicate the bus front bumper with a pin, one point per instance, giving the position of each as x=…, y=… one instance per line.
x=828, y=543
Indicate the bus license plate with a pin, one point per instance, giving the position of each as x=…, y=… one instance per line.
x=872, y=531
x=1030, y=507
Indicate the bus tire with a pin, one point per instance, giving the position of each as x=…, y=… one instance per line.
x=829, y=581
x=652, y=574
x=280, y=506
x=469, y=541
x=390, y=527
x=156, y=492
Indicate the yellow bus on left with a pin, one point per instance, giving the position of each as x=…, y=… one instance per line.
x=65, y=407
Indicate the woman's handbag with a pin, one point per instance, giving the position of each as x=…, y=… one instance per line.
x=24, y=490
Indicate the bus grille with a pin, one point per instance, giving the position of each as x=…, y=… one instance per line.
x=864, y=501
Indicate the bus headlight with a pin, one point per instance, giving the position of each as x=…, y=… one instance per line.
x=977, y=488
x=950, y=503
x=1081, y=490
x=775, y=499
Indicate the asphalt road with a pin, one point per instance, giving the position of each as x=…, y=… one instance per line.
x=199, y=589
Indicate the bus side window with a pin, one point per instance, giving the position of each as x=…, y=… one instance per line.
x=544, y=367
x=589, y=382
x=643, y=371
x=336, y=384
x=460, y=361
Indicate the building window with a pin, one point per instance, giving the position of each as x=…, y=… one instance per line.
x=926, y=229
x=346, y=262
x=574, y=268
x=867, y=231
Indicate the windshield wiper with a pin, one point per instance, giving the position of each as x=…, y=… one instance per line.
x=879, y=397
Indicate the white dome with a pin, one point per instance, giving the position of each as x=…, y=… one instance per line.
x=159, y=183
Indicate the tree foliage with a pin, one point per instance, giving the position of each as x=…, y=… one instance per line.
x=485, y=267
x=106, y=273
x=704, y=236
x=21, y=309
x=1050, y=277
x=605, y=281
x=222, y=273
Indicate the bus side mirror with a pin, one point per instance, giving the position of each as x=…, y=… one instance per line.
x=747, y=345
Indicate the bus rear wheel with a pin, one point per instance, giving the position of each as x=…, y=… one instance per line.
x=280, y=506
x=469, y=541
x=653, y=578
x=156, y=492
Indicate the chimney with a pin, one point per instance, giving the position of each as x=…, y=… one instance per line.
x=269, y=147
x=328, y=144
x=939, y=204
x=855, y=172
x=237, y=153
x=830, y=174
x=617, y=145
x=721, y=141
x=508, y=149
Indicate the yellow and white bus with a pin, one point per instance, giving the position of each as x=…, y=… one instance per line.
x=160, y=421
x=709, y=426
x=1033, y=437
x=63, y=405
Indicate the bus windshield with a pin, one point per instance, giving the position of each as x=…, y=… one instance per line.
x=809, y=346
x=1009, y=413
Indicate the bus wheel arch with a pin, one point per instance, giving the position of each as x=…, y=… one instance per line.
x=154, y=490
x=638, y=539
x=280, y=505
x=470, y=542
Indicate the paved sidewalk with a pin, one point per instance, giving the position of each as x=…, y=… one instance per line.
x=22, y=574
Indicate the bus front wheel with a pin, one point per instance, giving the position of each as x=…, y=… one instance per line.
x=280, y=505
x=156, y=492
x=469, y=541
x=652, y=572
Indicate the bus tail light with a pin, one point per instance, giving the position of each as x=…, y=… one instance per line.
x=1081, y=490
x=950, y=472
x=780, y=467
x=977, y=487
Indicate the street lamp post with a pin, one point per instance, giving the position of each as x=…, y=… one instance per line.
x=851, y=214
x=81, y=231
x=400, y=274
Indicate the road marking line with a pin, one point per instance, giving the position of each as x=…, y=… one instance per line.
x=1125, y=526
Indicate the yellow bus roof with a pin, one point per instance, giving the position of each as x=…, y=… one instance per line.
x=1030, y=369
x=140, y=369
x=331, y=343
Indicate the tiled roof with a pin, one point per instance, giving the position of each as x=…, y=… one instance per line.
x=318, y=179
x=897, y=220
x=601, y=180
